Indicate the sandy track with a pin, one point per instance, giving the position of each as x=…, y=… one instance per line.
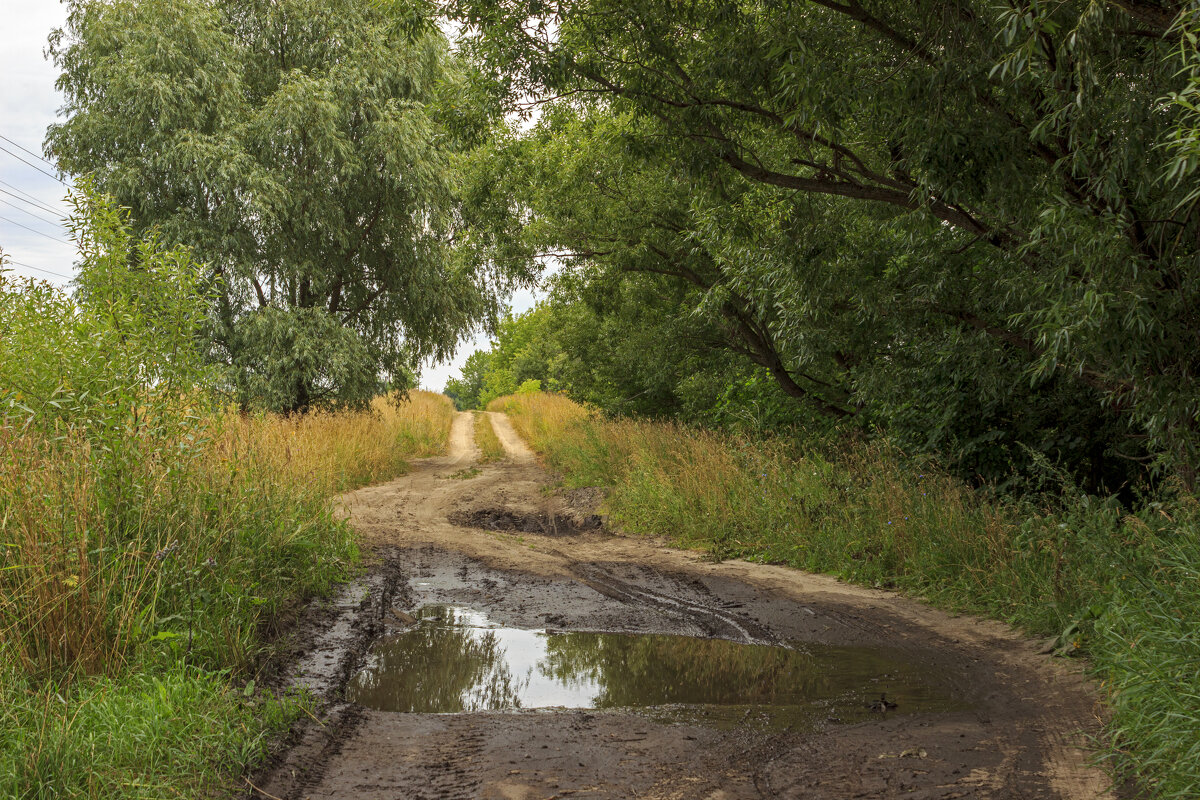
x=1018, y=738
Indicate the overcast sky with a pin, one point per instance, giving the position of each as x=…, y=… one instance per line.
x=32, y=200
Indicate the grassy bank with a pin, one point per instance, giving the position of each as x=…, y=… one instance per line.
x=1121, y=589
x=133, y=603
x=149, y=539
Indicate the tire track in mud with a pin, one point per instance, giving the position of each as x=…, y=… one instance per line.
x=339, y=633
x=716, y=623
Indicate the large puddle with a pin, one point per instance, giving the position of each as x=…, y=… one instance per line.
x=457, y=660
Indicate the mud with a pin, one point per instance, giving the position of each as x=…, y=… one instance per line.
x=1013, y=729
x=502, y=519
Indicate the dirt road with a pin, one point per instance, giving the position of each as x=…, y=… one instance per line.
x=977, y=713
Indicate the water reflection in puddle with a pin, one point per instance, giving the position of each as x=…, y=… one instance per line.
x=457, y=660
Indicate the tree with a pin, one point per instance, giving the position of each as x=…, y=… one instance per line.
x=1009, y=160
x=465, y=390
x=305, y=150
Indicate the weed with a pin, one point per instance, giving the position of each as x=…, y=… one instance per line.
x=150, y=538
x=489, y=445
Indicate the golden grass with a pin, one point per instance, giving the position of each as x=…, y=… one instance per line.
x=98, y=545
x=335, y=452
x=486, y=440
x=539, y=417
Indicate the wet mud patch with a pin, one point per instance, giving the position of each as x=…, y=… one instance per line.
x=327, y=644
x=503, y=519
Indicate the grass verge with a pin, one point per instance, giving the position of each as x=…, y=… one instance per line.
x=149, y=541
x=131, y=603
x=1121, y=589
x=486, y=440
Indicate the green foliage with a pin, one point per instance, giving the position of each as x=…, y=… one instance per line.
x=307, y=152
x=306, y=353
x=182, y=733
x=466, y=389
x=120, y=357
x=962, y=223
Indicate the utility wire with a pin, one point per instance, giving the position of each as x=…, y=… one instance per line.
x=30, y=199
x=34, y=230
x=39, y=269
x=24, y=193
x=27, y=150
x=31, y=164
x=56, y=223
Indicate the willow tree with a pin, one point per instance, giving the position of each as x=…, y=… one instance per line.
x=1028, y=153
x=305, y=150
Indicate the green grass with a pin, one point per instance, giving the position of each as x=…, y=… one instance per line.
x=177, y=733
x=1121, y=589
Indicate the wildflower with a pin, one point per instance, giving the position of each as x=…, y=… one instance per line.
x=169, y=550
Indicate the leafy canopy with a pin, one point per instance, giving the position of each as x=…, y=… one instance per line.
x=307, y=152
x=957, y=218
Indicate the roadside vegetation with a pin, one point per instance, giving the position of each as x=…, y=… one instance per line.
x=152, y=537
x=903, y=292
x=486, y=439
x=1116, y=587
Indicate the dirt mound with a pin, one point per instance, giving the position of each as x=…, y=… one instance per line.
x=503, y=519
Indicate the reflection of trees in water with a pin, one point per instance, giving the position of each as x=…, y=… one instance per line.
x=444, y=665
x=438, y=668
x=654, y=670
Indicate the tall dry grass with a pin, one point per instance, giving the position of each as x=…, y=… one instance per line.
x=540, y=417
x=490, y=448
x=334, y=452
x=125, y=598
x=194, y=546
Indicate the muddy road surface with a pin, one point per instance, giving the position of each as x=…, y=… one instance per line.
x=503, y=644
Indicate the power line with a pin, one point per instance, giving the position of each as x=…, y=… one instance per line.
x=30, y=164
x=56, y=223
x=30, y=199
x=34, y=230
x=21, y=191
x=27, y=150
x=39, y=269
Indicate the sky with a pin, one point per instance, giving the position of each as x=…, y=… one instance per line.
x=32, y=199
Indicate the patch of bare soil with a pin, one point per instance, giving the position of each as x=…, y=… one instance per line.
x=496, y=542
